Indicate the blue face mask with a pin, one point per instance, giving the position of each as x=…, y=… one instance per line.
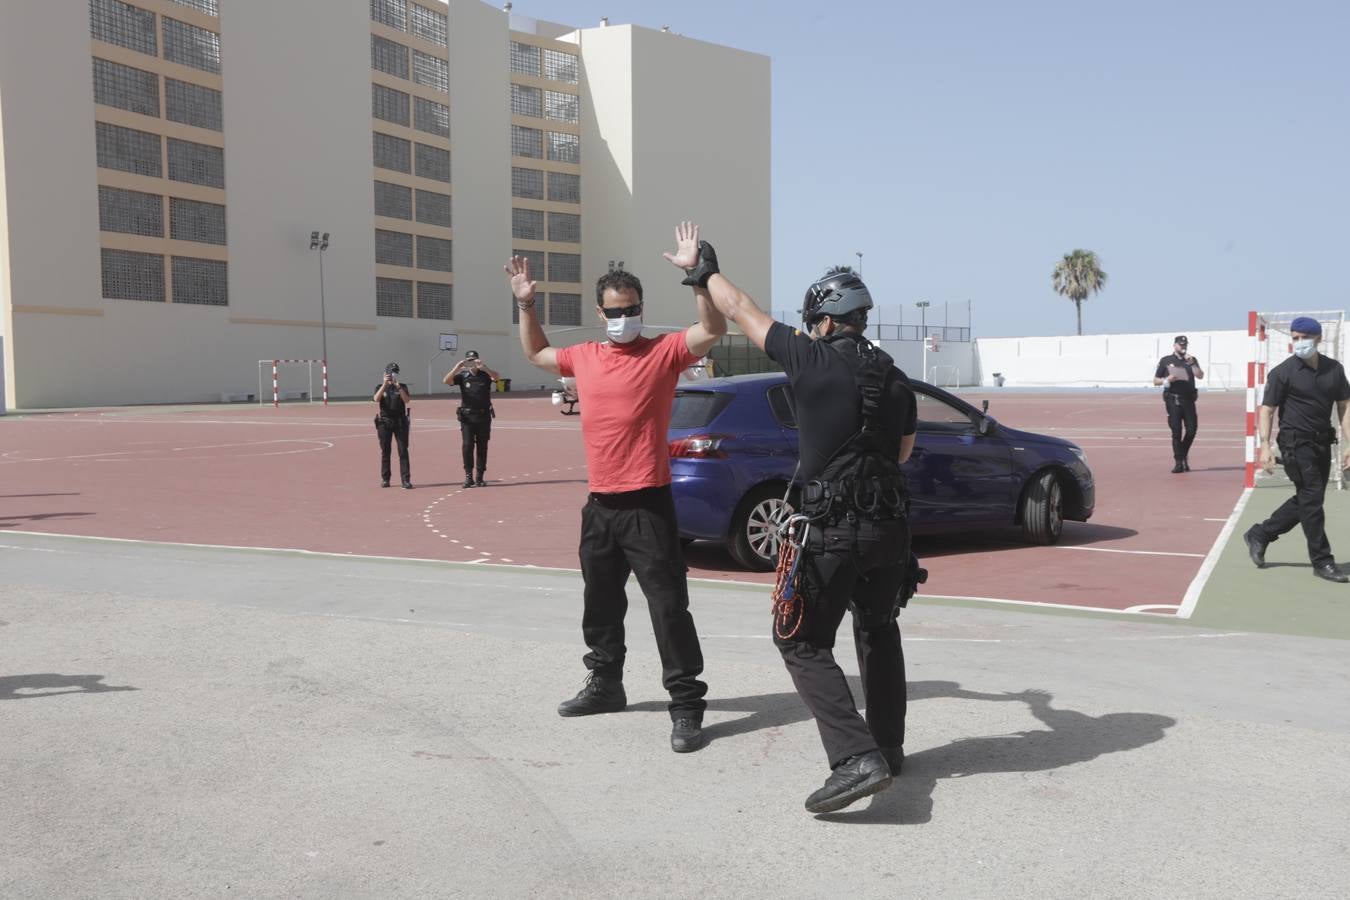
x=1305, y=348
x=624, y=330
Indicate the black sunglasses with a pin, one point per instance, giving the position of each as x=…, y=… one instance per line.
x=622, y=312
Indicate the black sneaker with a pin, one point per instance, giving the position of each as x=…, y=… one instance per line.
x=1178, y=468
x=1330, y=572
x=468, y=481
x=479, y=480
x=686, y=735
x=599, y=695
x=853, y=779
x=407, y=485
x=1256, y=547
x=895, y=758
x=384, y=482
x=1185, y=464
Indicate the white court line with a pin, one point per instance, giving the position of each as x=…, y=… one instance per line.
x=1192, y=597
x=530, y=567
x=1133, y=552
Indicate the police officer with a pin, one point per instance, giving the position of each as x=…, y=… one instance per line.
x=392, y=423
x=1303, y=388
x=475, y=412
x=1179, y=372
x=856, y=421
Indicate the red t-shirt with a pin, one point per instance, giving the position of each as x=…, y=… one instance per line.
x=625, y=392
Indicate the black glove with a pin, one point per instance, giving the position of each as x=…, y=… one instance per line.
x=705, y=268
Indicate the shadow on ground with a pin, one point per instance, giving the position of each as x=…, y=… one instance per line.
x=1069, y=737
x=50, y=684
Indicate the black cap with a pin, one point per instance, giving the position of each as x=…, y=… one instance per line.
x=471, y=354
x=391, y=369
x=1180, y=339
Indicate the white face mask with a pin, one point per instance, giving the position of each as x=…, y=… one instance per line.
x=1304, y=347
x=624, y=330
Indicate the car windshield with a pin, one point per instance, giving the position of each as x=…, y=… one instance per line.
x=695, y=409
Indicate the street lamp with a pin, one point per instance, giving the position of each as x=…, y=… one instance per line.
x=320, y=243
x=858, y=253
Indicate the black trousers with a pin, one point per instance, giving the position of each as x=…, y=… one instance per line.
x=636, y=532
x=1182, y=420
x=389, y=430
x=861, y=568
x=1308, y=465
x=474, y=437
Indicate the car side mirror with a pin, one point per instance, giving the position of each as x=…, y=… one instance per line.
x=986, y=426
x=984, y=407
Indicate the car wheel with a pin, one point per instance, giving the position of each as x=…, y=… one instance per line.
x=754, y=528
x=1043, y=510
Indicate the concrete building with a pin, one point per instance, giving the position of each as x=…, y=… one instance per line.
x=163, y=164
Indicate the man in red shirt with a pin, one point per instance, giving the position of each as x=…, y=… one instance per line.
x=626, y=386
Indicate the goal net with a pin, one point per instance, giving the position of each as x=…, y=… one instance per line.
x=944, y=376
x=292, y=379
x=1271, y=344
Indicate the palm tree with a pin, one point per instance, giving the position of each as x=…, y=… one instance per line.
x=1078, y=275
x=839, y=270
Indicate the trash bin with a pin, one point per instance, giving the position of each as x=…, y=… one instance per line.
x=998, y=379
x=503, y=384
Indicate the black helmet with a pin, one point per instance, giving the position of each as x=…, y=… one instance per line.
x=835, y=295
x=391, y=369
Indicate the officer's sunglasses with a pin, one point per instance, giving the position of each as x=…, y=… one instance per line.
x=622, y=312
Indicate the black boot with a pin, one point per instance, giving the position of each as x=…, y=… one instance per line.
x=686, y=735
x=853, y=779
x=1179, y=467
x=1256, y=546
x=468, y=480
x=1185, y=464
x=599, y=695
x=479, y=480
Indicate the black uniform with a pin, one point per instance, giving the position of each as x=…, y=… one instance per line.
x=475, y=419
x=1305, y=398
x=860, y=564
x=1179, y=399
x=392, y=424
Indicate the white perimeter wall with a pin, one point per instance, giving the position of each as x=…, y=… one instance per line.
x=1108, y=360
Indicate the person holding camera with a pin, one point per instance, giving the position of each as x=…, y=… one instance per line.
x=1179, y=372
x=474, y=380
x=392, y=423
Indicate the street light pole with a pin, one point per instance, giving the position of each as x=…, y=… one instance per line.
x=923, y=337
x=858, y=253
x=320, y=243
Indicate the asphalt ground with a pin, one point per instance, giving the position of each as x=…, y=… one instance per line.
x=201, y=722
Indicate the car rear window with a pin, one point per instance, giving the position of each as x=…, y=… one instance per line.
x=695, y=409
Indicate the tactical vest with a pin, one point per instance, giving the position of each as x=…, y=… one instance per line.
x=861, y=479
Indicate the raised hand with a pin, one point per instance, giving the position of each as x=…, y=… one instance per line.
x=518, y=270
x=686, y=246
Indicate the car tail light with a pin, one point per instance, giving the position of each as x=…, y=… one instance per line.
x=698, y=446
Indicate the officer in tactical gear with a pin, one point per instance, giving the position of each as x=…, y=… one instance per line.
x=474, y=380
x=392, y=423
x=856, y=419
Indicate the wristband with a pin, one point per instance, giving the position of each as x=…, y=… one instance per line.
x=705, y=268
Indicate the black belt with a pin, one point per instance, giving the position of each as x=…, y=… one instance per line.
x=642, y=498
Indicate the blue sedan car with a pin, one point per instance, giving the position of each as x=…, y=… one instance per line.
x=733, y=451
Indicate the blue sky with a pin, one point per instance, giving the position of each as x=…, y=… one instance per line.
x=1200, y=148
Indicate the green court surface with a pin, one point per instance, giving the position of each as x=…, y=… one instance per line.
x=1285, y=597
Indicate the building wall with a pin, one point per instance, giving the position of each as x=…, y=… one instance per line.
x=657, y=168
x=296, y=81
x=1109, y=360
